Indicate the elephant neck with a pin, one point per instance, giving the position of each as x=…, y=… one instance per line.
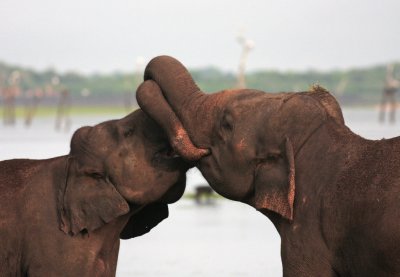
x=309, y=136
x=329, y=144
x=319, y=163
x=320, y=159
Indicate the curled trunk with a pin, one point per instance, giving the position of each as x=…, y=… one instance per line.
x=174, y=80
x=181, y=108
x=194, y=108
x=149, y=93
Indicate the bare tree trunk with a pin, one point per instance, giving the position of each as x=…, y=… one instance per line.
x=63, y=120
x=247, y=45
x=388, y=95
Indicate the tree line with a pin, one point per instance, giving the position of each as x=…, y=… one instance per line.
x=360, y=86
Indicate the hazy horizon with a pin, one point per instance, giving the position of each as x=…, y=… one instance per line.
x=205, y=67
x=105, y=37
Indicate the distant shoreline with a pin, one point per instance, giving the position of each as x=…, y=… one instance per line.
x=51, y=111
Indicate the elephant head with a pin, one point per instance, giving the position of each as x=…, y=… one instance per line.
x=253, y=136
x=116, y=168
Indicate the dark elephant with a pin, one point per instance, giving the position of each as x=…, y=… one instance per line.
x=332, y=195
x=64, y=216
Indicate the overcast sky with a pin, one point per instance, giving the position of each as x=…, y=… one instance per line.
x=104, y=36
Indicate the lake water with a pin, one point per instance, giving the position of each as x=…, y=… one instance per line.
x=223, y=239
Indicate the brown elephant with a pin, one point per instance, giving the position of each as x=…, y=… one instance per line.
x=64, y=216
x=332, y=195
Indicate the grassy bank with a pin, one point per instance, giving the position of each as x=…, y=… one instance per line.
x=51, y=111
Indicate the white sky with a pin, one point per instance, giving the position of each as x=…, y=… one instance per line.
x=104, y=36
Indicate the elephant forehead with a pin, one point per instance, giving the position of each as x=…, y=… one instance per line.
x=106, y=130
x=100, y=141
x=257, y=106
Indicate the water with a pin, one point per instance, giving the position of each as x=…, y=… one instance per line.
x=224, y=239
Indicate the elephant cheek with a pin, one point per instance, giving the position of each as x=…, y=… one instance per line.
x=226, y=181
x=211, y=172
x=239, y=178
x=151, y=185
x=175, y=192
x=129, y=185
x=130, y=192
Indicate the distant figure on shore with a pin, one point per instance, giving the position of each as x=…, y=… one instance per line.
x=2, y=89
x=9, y=117
x=388, y=95
x=203, y=194
x=33, y=98
x=63, y=120
x=9, y=95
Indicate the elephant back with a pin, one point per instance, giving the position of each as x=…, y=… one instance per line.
x=327, y=101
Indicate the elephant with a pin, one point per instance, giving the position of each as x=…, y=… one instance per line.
x=64, y=216
x=332, y=195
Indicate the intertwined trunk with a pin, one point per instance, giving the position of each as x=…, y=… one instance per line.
x=170, y=96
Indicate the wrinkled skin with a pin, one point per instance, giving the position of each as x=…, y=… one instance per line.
x=64, y=216
x=332, y=195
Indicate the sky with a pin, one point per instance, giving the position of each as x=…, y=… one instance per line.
x=98, y=36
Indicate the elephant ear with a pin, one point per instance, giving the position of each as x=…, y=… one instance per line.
x=144, y=220
x=275, y=182
x=86, y=202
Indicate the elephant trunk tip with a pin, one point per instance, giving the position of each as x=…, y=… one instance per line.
x=184, y=146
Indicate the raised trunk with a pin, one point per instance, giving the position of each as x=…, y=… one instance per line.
x=193, y=108
x=198, y=116
x=174, y=80
x=149, y=92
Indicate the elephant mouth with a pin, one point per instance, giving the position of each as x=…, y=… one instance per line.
x=166, y=158
x=222, y=180
x=167, y=152
x=169, y=160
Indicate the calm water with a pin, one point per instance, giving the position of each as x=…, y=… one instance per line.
x=224, y=239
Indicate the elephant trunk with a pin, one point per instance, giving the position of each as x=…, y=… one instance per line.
x=174, y=80
x=149, y=93
x=181, y=99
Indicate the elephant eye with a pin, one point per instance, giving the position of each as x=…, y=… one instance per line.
x=129, y=132
x=226, y=126
x=226, y=122
x=95, y=175
x=272, y=158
